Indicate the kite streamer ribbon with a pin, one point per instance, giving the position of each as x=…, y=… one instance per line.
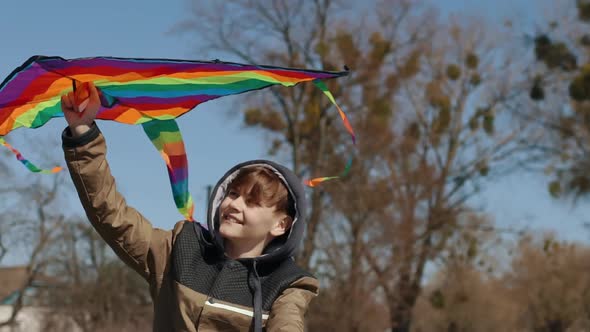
x=30, y=166
x=316, y=181
x=166, y=137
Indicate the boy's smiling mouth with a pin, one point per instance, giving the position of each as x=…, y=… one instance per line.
x=227, y=217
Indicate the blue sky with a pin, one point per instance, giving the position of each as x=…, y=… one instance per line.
x=214, y=138
x=213, y=133
x=522, y=200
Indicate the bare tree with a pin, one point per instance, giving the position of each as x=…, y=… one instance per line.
x=429, y=103
x=559, y=91
x=467, y=291
x=449, y=133
x=34, y=229
x=95, y=289
x=550, y=284
x=7, y=192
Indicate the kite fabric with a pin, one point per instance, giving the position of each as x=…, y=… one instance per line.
x=27, y=163
x=150, y=92
x=166, y=137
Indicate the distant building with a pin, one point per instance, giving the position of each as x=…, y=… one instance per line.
x=12, y=280
x=31, y=317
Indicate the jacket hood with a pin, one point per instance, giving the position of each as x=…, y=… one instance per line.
x=281, y=247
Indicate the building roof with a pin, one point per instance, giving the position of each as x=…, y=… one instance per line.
x=11, y=280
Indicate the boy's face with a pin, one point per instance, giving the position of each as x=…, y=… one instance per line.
x=250, y=223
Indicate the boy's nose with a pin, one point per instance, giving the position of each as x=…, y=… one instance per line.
x=237, y=203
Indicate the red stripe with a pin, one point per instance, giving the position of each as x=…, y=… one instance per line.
x=178, y=161
x=38, y=86
x=169, y=103
x=169, y=69
x=112, y=113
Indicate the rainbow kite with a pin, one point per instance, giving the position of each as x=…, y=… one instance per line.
x=150, y=92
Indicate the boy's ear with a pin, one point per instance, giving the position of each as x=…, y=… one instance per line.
x=282, y=226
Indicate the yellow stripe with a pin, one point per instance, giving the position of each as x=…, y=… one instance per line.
x=187, y=77
x=16, y=120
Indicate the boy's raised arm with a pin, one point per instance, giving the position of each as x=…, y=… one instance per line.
x=131, y=236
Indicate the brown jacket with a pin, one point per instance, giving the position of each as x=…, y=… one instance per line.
x=148, y=251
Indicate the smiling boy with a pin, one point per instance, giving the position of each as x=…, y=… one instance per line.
x=237, y=274
x=256, y=209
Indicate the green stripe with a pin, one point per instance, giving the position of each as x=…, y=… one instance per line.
x=157, y=127
x=169, y=137
x=220, y=79
x=44, y=116
x=160, y=88
x=320, y=84
x=31, y=118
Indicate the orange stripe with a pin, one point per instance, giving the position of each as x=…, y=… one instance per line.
x=131, y=116
x=63, y=84
x=175, y=148
x=55, y=88
x=134, y=76
x=10, y=121
x=176, y=111
x=4, y=127
x=165, y=157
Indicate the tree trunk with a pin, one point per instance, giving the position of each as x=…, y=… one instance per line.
x=400, y=323
x=312, y=224
x=401, y=304
x=354, y=297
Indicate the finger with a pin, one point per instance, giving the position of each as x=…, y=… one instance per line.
x=65, y=103
x=82, y=94
x=82, y=91
x=93, y=93
x=68, y=103
x=93, y=97
x=72, y=100
x=82, y=105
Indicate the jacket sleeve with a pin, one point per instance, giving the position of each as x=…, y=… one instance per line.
x=126, y=231
x=287, y=313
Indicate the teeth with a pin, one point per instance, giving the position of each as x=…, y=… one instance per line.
x=229, y=218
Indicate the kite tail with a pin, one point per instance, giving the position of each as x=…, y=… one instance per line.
x=166, y=137
x=316, y=181
x=27, y=163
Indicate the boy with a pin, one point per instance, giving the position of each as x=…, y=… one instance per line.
x=236, y=275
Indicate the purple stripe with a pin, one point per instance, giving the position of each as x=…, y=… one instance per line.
x=25, y=78
x=58, y=64
x=30, y=75
x=178, y=66
x=178, y=174
x=19, y=83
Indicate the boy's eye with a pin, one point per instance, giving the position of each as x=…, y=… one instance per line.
x=233, y=193
x=251, y=202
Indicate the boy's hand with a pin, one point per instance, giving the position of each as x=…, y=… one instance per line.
x=80, y=107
